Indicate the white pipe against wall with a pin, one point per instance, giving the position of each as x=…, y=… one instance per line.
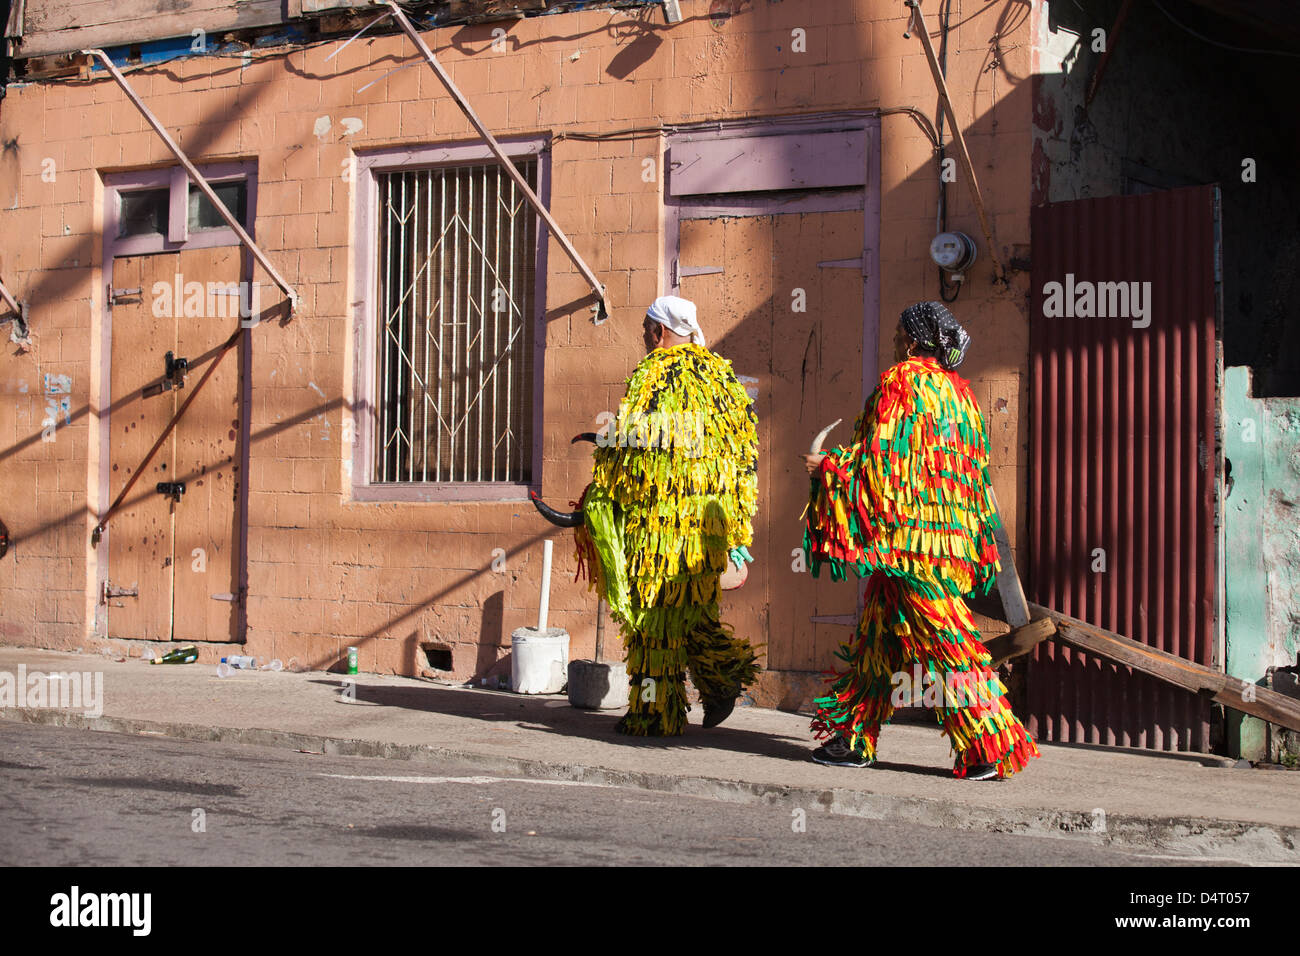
x=546, y=585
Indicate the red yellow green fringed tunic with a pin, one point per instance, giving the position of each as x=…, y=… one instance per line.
x=673, y=489
x=907, y=505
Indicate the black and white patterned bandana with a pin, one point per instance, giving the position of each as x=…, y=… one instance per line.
x=932, y=327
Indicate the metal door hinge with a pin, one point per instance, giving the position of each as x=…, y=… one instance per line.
x=122, y=296
x=860, y=263
x=680, y=271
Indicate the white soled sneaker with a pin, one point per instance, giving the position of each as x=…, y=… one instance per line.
x=837, y=753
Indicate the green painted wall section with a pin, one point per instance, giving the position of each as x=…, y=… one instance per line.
x=1261, y=527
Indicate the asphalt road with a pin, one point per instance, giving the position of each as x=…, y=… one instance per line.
x=75, y=797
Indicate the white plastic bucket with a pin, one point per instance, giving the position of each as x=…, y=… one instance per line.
x=539, y=660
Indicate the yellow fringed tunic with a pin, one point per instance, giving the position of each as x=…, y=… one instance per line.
x=673, y=489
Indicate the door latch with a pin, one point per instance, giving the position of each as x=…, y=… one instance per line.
x=112, y=592
x=174, y=371
x=172, y=489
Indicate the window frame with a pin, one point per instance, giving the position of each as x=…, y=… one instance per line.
x=367, y=168
x=175, y=179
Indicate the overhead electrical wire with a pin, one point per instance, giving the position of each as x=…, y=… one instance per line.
x=1226, y=46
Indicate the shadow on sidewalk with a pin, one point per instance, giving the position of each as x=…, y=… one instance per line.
x=553, y=714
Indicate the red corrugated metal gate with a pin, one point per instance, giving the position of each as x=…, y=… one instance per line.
x=1124, y=466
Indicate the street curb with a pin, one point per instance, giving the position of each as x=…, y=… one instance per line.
x=1188, y=838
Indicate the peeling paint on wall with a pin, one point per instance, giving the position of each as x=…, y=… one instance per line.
x=1262, y=526
x=1262, y=541
x=58, y=392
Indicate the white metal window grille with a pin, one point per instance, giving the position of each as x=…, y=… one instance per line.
x=456, y=279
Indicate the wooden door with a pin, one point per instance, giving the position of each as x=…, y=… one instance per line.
x=182, y=557
x=139, y=536
x=781, y=296
x=208, y=443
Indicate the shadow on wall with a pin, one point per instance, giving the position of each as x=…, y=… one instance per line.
x=145, y=492
x=491, y=633
x=70, y=280
x=491, y=662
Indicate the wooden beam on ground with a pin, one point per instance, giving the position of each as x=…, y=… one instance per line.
x=1229, y=691
x=1020, y=640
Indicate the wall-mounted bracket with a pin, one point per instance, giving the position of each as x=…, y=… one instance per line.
x=197, y=179
x=601, y=309
x=21, y=333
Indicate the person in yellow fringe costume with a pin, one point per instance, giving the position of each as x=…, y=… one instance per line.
x=673, y=489
x=907, y=505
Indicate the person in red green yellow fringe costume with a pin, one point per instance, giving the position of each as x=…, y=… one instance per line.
x=668, y=510
x=907, y=505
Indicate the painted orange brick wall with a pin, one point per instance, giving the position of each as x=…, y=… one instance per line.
x=324, y=572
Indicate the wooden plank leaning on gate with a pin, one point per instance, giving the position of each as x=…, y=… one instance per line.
x=1229, y=691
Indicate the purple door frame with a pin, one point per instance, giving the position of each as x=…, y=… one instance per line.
x=861, y=166
x=365, y=325
x=178, y=238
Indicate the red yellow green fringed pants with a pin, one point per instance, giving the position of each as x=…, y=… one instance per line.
x=901, y=627
x=658, y=654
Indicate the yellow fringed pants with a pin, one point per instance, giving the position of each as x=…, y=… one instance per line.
x=658, y=654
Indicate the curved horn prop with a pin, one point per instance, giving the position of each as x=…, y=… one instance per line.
x=821, y=437
x=560, y=519
x=585, y=436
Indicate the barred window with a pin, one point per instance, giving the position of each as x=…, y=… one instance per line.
x=457, y=258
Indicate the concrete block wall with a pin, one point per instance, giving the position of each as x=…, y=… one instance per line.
x=326, y=572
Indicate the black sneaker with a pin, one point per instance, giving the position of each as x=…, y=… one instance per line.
x=982, y=771
x=836, y=753
x=717, y=709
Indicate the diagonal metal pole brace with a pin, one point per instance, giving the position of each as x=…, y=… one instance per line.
x=10, y=300
x=21, y=332
x=917, y=22
x=197, y=178
x=500, y=154
x=180, y=412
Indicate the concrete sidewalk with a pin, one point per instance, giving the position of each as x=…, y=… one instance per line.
x=1177, y=804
